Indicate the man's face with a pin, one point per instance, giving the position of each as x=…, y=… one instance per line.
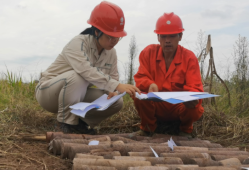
x=169, y=42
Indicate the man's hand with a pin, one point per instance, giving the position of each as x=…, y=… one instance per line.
x=128, y=88
x=153, y=88
x=111, y=94
x=191, y=104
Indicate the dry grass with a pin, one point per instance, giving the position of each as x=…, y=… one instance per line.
x=20, y=113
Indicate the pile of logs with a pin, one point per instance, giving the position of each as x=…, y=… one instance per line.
x=129, y=152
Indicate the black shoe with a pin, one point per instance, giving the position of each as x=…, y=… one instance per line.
x=63, y=127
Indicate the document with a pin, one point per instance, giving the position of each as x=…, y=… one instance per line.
x=102, y=103
x=174, y=97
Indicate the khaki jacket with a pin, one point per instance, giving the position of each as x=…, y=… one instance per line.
x=81, y=55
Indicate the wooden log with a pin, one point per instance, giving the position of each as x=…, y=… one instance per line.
x=160, y=139
x=190, y=148
x=206, y=168
x=107, y=153
x=78, y=166
x=87, y=156
x=66, y=136
x=231, y=162
x=198, y=144
x=125, y=135
x=65, y=148
x=186, y=156
x=217, y=152
x=57, y=143
x=174, y=166
x=153, y=160
x=73, y=149
x=202, y=162
x=49, y=135
x=222, y=157
x=124, y=149
x=101, y=139
x=224, y=149
x=125, y=140
x=146, y=154
x=148, y=168
x=120, y=165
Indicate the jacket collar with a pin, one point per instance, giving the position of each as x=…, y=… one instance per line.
x=177, y=58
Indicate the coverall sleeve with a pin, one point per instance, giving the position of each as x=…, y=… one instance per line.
x=114, y=69
x=143, y=77
x=79, y=61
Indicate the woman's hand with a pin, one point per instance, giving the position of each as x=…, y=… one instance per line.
x=128, y=88
x=111, y=94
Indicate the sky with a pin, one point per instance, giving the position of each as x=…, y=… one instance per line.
x=33, y=33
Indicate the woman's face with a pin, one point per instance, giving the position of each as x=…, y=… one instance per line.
x=108, y=42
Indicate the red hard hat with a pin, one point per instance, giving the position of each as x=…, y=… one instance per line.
x=108, y=18
x=169, y=23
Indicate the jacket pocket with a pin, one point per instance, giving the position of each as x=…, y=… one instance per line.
x=177, y=83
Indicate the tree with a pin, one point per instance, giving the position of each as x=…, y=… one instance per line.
x=132, y=56
x=200, y=49
x=241, y=60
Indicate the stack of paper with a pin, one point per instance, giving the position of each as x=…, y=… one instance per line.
x=102, y=103
x=174, y=97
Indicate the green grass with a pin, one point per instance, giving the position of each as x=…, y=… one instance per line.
x=228, y=125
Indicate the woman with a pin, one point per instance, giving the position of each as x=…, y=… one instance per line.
x=88, y=59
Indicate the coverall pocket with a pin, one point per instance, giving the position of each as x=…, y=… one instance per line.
x=177, y=83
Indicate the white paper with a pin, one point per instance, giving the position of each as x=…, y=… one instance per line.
x=93, y=142
x=141, y=96
x=154, y=152
x=187, y=98
x=102, y=103
x=168, y=95
x=173, y=143
x=170, y=144
x=245, y=168
x=82, y=106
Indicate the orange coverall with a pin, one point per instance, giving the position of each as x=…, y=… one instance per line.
x=182, y=75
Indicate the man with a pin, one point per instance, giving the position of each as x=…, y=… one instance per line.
x=168, y=67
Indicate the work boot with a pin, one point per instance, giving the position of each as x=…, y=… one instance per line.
x=143, y=133
x=63, y=127
x=185, y=134
x=84, y=128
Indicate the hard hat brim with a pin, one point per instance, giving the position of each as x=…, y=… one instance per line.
x=113, y=34
x=165, y=32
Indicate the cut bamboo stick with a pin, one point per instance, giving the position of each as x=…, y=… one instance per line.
x=186, y=156
x=87, y=156
x=153, y=160
x=78, y=166
x=231, y=162
x=73, y=149
x=57, y=143
x=120, y=165
x=146, y=154
x=204, y=162
x=148, y=168
x=124, y=149
x=174, y=166
x=190, y=148
x=206, y=168
x=222, y=157
x=198, y=144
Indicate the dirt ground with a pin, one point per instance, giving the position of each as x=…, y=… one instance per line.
x=30, y=155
